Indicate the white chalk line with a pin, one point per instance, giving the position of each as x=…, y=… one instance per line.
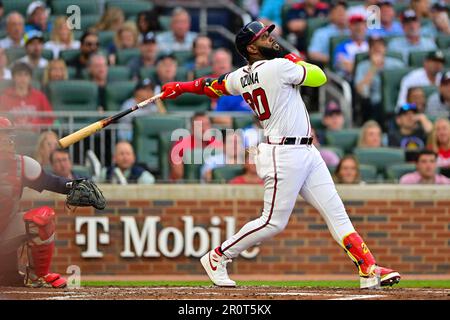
x=359, y=297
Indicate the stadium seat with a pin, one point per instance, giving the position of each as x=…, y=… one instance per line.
x=313, y=24
x=365, y=55
x=87, y=7
x=165, y=145
x=380, y=157
x=71, y=71
x=125, y=55
x=396, y=171
x=105, y=38
x=146, y=141
x=334, y=149
x=14, y=53
x=16, y=5
x=38, y=74
x=118, y=73
x=390, y=80
x=240, y=122
x=334, y=42
x=188, y=102
x=117, y=92
x=181, y=74
x=73, y=95
x=192, y=169
x=346, y=139
x=183, y=56
x=82, y=171
x=148, y=72
x=89, y=20
x=202, y=72
x=164, y=22
x=429, y=90
x=69, y=55
x=416, y=58
x=368, y=172
x=316, y=120
x=130, y=7
x=224, y=174
x=443, y=41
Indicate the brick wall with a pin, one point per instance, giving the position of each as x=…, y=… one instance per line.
x=412, y=236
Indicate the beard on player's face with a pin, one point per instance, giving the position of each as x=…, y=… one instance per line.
x=274, y=50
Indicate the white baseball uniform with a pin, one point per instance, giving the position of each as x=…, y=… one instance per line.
x=271, y=89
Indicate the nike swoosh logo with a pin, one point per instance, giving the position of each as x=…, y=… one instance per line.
x=173, y=92
x=210, y=264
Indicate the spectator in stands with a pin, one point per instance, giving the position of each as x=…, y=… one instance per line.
x=46, y=144
x=147, y=21
x=438, y=104
x=5, y=73
x=61, y=38
x=250, y=175
x=329, y=156
x=37, y=17
x=347, y=171
x=319, y=47
x=62, y=164
x=416, y=96
x=233, y=153
x=34, y=45
x=143, y=90
x=201, y=125
x=111, y=20
x=428, y=75
x=370, y=135
x=389, y=26
x=421, y=8
x=440, y=21
x=2, y=15
x=411, y=130
x=147, y=58
x=297, y=20
x=15, y=27
x=89, y=45
x=23, y=98
x=270, y=13
x=56, y=71
x=202, y=49
x=425, y=170
x=98, y=73
x=125, y=38
x=368, y=78
x=179, y=38
x=166, y=70
x=413, y=41
x=345, y=52
x=125, y=170
x=333, y=120
x=439, y=142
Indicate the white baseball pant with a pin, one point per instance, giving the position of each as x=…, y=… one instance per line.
x=288, y=170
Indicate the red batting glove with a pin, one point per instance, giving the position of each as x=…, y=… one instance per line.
x=293, y=57
x=171, y=90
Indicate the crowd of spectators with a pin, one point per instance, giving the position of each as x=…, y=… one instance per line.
x=51, y=51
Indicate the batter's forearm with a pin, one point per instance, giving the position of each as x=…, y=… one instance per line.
x=213, y=88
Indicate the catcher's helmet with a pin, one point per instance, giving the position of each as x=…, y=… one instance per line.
x=249, y=34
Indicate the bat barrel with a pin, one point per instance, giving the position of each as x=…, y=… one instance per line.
x=80, y=134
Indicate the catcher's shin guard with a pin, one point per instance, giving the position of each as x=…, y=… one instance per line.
x=40, y=226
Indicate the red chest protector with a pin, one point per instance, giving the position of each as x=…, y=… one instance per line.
x=11, y=173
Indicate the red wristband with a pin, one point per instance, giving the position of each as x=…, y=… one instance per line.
x=293, y=57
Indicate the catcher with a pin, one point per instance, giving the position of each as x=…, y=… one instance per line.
x=35, y=228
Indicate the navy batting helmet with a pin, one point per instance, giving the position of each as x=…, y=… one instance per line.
x=249, y=34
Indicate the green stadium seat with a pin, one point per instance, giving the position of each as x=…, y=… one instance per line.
x=316, y=120
x=89, y=20
x=148, y=72
x=38, y=74
x=336, y=150
x=125, y=55
x=188, y=102
x=390, y=80
x=69, y=55
x=182, y=74
x=117, y=92
x=105, y=38
x=14, y=54
x=243, y=121
x=429, y=90
x=73, y=95
x=130, y=7
x=16, y=5
x=183, y=56
x=368, y=172
x=164, y=22
x=313, y=24
x=146, y=137
x=381, y=158
x=202, y=72
x=118, y=73
x=191, y=169
x=59, y=7
x=416, y=58
x=334, y=42
x=443, y=41
x=396, y=171
x=71, y=72
x=225, y=174
x=365, y=55
x=82, y=171
x=346, y=139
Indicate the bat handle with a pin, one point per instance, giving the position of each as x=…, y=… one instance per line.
x=150, y=100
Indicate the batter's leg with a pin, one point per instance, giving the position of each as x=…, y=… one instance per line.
x=319, y=190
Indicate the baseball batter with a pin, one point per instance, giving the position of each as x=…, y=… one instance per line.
x=287, y=161
x=34, y=228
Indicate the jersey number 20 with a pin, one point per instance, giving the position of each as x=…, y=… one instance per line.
x=256, y=100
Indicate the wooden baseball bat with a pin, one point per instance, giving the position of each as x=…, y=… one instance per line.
x=97, y=126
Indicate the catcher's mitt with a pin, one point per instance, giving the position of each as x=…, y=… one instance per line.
x=85, y=193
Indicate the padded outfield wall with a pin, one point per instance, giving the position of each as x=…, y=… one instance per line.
x=164, y=229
